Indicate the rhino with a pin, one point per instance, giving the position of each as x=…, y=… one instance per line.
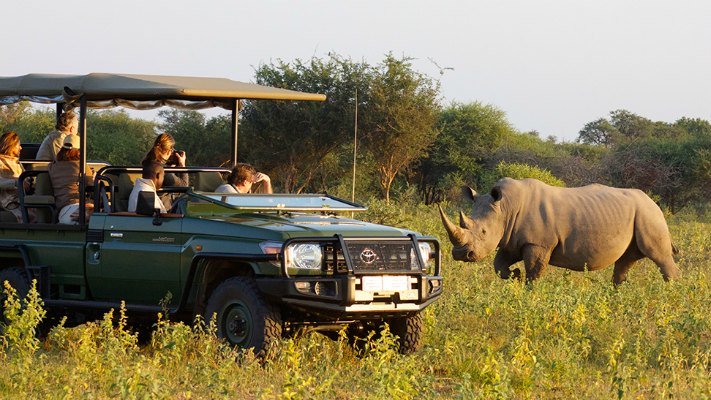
x=581, y=228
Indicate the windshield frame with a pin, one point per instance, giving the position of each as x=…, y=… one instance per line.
x=346, y=206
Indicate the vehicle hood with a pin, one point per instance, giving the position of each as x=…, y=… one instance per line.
x=311, y=225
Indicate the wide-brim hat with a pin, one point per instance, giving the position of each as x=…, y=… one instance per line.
x=71, y=142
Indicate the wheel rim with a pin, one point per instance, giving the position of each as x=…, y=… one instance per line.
x=237, y=324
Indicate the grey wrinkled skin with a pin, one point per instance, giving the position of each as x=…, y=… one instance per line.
x=590, y=227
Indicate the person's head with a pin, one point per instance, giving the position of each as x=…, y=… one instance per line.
x=70, y=150
x=10, y=144
x=242, y=175
x=154, y=171
x=163, y=147
x=68, y=123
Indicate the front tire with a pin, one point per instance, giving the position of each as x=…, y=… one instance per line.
x=243, y=317
x=18, y=279
x=409, y=330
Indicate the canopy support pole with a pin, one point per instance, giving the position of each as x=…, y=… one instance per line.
x=235, y=130
x=60, y=110
x=82, y=159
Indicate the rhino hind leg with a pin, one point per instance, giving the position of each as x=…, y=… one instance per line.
x=654, y=242
x=625, y=263
x=668, y=268
x=535, y=260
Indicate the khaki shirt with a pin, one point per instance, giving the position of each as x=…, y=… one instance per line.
x=50, y=146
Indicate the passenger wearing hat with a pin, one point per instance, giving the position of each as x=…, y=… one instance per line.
x=64, y=174
x=67, y=125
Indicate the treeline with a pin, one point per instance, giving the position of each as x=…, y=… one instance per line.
x=408, y=142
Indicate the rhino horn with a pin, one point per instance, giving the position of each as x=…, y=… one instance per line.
x=456, y=234
x=464, y=221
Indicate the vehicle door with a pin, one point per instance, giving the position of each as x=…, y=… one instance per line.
x=137, y=259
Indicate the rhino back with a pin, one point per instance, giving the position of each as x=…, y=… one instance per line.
x=590, y=226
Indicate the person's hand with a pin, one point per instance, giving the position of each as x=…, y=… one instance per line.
x=259, y=177
x=180, y=157
x=27, y=185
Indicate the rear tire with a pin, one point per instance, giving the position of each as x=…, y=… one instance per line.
x=18, y=279
x=243, y=318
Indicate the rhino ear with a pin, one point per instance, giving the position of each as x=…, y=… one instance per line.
x=496, y=193
x=468, y=193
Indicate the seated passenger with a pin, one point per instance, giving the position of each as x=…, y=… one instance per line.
x=67, y=125
x=241, y=179
x=151, y=181
x=10, y=170
x=163, y=152
x=64, y=175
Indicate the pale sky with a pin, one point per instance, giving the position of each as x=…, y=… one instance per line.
x=551, y=65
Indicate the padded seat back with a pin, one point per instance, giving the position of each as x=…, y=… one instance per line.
x=123, y=190
x=42, y=201
x=207, y=181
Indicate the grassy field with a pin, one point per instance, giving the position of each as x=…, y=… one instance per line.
x=570, y=335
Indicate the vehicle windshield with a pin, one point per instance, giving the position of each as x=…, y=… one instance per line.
x=283, y=202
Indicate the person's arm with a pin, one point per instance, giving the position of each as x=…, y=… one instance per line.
x=8, y=183
x=266, y=182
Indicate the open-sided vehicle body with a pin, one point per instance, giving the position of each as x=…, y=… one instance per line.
x=263, y=265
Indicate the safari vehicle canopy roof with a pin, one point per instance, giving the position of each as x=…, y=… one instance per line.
x=103, y=90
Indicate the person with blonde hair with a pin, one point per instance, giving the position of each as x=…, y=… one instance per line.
x=10, y=170
x=67, y=124
x=163, y=152
x=64, y=174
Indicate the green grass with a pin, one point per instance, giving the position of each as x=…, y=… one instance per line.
x=570, y=335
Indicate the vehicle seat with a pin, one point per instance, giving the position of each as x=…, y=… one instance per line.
x=7, y=217
x=42, y=200
x=123, y=191
x=207, y=181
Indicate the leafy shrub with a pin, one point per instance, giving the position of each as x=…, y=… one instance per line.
x=519, y=171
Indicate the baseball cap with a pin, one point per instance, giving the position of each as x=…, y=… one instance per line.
x=71, y=142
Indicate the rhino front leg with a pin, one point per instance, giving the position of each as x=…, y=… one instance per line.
x=535, y=260
x=502, y=264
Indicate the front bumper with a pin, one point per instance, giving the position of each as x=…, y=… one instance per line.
x=342, y=297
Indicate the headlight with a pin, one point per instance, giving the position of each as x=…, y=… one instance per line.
x=304, y=256
x=426, y=254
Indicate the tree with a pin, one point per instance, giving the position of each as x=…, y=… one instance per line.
x=467, y=135
x=694, y=126
x=400, y=117
x=115, y=137
x=600, y=131
x=292, y=141
x=205, y=141
x=11, y=112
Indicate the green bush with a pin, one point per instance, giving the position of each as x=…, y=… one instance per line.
x=518, y=171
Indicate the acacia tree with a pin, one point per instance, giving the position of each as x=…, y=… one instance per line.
x=400, y=118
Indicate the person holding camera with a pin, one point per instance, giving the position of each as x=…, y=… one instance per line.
x=163, y=152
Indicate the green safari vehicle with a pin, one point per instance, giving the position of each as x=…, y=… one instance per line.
x=263, y=266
